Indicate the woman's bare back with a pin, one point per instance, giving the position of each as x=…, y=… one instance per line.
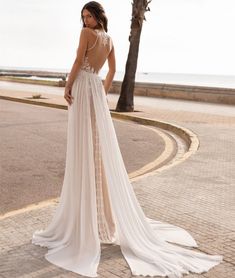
x=98, y=48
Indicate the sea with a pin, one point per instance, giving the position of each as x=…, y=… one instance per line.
x=207, y=80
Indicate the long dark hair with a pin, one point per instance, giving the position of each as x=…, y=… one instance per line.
x=98, y=13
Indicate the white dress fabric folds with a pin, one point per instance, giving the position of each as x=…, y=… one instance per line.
x=98, y=204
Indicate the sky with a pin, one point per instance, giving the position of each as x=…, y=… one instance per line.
x=179, y=36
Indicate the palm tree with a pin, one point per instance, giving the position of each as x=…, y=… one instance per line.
x=126, y=99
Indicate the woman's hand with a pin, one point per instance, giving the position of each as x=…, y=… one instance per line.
x=68, y=96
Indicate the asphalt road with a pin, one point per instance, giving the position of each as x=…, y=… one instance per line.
x=33, y=149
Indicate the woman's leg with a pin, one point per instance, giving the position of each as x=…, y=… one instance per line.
x=106, y=225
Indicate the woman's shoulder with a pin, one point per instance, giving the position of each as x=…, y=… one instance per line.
x=87, y=34
x=87, y=31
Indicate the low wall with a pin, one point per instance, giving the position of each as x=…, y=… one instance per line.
x=187, y=92
x=56, y=83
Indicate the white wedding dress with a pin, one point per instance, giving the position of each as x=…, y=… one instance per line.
x=98, y=204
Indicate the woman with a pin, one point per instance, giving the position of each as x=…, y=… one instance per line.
x=97, y=203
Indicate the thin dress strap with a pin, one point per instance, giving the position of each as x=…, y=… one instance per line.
x=93, y=44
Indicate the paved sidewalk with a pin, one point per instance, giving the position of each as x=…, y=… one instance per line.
x=197, y=195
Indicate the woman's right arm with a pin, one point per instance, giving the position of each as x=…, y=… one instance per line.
x=81, y=51
x=112, y=69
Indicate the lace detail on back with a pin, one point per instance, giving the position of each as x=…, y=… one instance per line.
x=104, y=37
x=86, y=66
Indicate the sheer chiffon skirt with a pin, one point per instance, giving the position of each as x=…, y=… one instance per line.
x=98, y=204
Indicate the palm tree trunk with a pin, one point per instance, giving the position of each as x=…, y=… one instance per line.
x=126, y=99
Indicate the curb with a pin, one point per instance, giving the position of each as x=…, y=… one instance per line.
x=35, y=102
x=187, y=135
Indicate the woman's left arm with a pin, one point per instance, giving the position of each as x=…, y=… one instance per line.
x=76, y=65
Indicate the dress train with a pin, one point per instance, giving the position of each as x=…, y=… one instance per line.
x=98, y=203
